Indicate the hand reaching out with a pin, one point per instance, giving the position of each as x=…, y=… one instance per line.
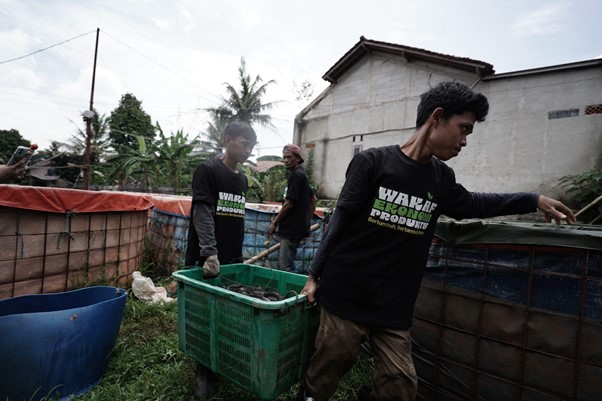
x=556, y=210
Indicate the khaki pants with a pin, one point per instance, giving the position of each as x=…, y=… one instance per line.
x=337, y=347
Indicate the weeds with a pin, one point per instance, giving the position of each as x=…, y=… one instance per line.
x=82, y=279
x=146, y=364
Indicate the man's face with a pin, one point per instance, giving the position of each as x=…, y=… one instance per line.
x=239, y=148
x=449, y=137
x=290, y=160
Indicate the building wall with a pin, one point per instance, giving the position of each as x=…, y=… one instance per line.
x=516, y=149
x=519, y=148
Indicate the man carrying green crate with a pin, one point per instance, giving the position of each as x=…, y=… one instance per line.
x=217, y=216
x=368, y=269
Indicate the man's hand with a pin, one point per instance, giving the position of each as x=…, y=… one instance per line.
x=310, y=288
x=211, y=267
x=13, y=172
x=272, y=229
x=556, y=210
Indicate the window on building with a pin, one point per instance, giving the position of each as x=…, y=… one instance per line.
x=562, y=113
x=593, y=109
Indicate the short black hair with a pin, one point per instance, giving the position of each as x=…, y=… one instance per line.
x=453, y=98
x=240, y=128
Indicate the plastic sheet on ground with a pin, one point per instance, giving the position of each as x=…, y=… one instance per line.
x=145, y=290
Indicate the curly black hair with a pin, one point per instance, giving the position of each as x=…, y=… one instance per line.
x=453, y=98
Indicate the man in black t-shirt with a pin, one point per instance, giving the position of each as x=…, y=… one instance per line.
x=294, y=218
x=367, y=271
x=217, y=216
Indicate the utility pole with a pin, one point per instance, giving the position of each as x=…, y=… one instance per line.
x=88, y=116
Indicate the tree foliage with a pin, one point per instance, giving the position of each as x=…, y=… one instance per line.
x=9, y=141
x=245, y=102
x=266, y=186
x=129, y=121
x=64, y=163
x=583, y=189
x=99, y=144
x=136, y=167
x=151, y=165
x=219, y=118
x=174, y=155
x=68, y=157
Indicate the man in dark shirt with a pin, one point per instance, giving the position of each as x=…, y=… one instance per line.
x=217, y=216
x=367, y=271
x=294, y=218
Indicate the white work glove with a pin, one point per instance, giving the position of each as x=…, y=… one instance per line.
x=211, y=267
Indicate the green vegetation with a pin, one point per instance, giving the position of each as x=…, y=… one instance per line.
x=129, y=121
x=146, y=363
x=131, y=153
x=266, y=186
x=244, y=103
x=9, y=140
x=583, y=189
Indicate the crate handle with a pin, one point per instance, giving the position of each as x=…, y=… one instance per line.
x=310, y=306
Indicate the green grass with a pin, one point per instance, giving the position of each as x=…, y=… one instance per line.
x=146, y=364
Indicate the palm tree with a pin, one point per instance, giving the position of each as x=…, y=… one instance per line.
x=75, y=147
x=220, y=117
x=245, y=104
x=99, y=145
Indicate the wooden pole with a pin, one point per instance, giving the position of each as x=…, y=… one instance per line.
x=598, y=199
x=86, y=181
x=271, y=249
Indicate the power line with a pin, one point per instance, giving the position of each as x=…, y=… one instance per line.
x=46, y=48
x=165, y=68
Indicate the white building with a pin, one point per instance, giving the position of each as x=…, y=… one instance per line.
x=543, y=123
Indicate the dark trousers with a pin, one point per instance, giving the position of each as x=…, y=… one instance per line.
x=337, y=346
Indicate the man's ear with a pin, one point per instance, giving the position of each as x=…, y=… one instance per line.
x=437, y=115
x=227, y=139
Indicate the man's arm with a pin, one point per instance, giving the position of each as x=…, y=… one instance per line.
x=312, y=206
x=204, y=224
x=462, y=203
x=341, y=219
x=354, y=194
x=286, y=208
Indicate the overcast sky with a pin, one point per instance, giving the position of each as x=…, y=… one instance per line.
x=175, y=55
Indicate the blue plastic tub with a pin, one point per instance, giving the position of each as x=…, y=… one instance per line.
x=57, y=345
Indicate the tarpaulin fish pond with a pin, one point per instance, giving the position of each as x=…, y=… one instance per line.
x=510, y=311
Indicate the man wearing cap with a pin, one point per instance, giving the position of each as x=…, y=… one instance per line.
x=299, y=205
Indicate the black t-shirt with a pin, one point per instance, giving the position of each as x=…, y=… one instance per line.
x=295, y=225
x=373, y=272
x=215, y=184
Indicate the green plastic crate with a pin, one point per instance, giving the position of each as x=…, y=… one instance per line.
x=264, y=347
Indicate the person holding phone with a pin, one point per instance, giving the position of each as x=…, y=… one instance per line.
x=13, y=172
